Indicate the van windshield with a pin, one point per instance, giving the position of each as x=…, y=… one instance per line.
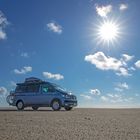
x=59, y=88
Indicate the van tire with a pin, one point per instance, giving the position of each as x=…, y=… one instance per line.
x=20, y=105
x=35, y=107
x=67, y=108
x=56, y=105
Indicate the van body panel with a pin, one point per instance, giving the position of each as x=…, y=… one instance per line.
x=40, y=93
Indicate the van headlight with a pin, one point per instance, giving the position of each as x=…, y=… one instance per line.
x=66, y=96
x=10, y=99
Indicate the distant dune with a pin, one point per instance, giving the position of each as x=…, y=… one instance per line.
x=78, y=124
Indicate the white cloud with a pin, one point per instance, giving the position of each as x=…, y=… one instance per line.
x=104, y=98
x=123, y=72
x=137, y=95
x=3, y=94
x=25, y=54
x=118, y=89
x=132, y=69
x=95, y=92
x=53, y=76
x=103, y=11
x=24, y=70
x=122, y=86
x=103, y=62
x=115, y=98
x=127, y=57
x=2, y=34
x=110, y=95
x=128, y=99
x=3, y=20
x=137, y=64
x=3, y=24
x=56, y=28
x=3, y=91
x=123, y=7
x=13, y=84
x=86, y=97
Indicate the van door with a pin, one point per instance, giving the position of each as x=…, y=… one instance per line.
x=32, y=94
x=47, y=94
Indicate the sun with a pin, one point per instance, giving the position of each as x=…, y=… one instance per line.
x=108, y=32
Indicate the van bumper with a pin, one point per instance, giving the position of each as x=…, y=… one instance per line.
x=70, y=103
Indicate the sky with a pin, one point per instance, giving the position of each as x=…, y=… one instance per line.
x=89, y=47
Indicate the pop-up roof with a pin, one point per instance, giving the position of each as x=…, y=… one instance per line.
x=33, y=80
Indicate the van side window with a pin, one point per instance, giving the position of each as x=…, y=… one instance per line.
x=47, y=88
x=32, y=88
x=21, y=88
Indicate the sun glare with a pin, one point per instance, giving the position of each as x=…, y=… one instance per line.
x=108, y=32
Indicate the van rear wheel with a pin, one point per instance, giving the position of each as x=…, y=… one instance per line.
x=35, y=107
x=56, y=105
x=20, y=105
x=67, y=108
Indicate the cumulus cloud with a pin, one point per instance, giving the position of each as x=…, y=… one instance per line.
x=24, y=70
x=3, y=24
x=127, y=57
x=123, y=72
x=123, y=7
x=132, y=69
x=103, y=62
x=122, y=86
x=118, y=89
x=86, y=97
x=54, y=27
x=104, y=98
x=53, y=76
x=3, y=94
x=115, y=98
x=3, y=91
x=2, y=34
x=103, y=11
x=95, y=92
x=24, y=54
x=137, y=64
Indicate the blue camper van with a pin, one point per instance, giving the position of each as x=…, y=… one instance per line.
x=36, y=93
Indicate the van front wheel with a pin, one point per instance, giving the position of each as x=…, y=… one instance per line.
x=20, y=105
x=56, y=105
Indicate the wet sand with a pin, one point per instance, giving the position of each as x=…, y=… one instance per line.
x=78, y=124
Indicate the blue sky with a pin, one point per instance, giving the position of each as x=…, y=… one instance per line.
x=61, y=42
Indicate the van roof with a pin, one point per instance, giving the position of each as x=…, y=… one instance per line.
x=42, y=82
x=33, y=80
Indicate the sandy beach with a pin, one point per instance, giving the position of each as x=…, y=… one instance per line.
x=78, y=124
